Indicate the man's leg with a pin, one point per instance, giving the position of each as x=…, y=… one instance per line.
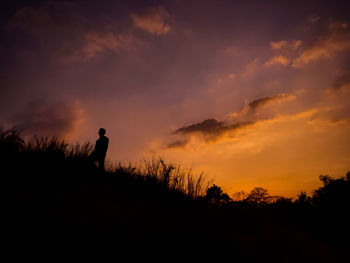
x=101, y=164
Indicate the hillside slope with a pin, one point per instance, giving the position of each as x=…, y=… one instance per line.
x=47, y=186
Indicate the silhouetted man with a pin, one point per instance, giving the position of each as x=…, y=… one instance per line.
x=101, y=149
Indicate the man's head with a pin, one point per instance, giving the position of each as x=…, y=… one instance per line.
x=101, y=132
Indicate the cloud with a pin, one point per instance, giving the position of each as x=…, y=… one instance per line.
x=98, y=42
x=207, y=126
x=295, y=44
x=286, y=50
x=278, y=44
x=277, y=60
x=45, y=119
x=61, y=28
x=248, y=111
x=153, y=20
x=341, y=84
x=211, y=129
x=337, y=39
x=256, y=104
x=283, y=44
x=208, y=130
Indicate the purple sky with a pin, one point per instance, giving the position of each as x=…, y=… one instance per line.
x=272, y=78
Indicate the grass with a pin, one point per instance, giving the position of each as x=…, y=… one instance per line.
x=55, y=159
x=48, y=185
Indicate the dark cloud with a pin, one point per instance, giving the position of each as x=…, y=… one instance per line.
x=342, y=82
x=256, y=104
x=209, y=129
x=210, y=126
x=252, y=111
x=212, y=129
x=41, y=118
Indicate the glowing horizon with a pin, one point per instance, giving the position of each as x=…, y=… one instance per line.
x=252, y=94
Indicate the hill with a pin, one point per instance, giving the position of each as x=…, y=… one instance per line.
x=48, y=186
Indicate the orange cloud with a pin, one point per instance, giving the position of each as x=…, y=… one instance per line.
x=277, y=60
x=294, y=45
x=338, y=39
x=152, y=20
x=278, y=44
x=286, y=50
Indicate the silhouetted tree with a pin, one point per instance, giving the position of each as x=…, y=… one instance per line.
x=216, y=196
x=303, y=199
x=258, y=196
x=335, y=193
x=282, y=202
x=225, y=198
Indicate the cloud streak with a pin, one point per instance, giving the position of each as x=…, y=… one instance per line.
x=277, y=60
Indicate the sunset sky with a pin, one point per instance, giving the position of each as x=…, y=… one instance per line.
x=252, y=93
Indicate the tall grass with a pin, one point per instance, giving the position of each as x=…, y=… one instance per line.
x=174, y=177
x=168, y=175
x=60, y=146
x=55, y=157
x=10, y=142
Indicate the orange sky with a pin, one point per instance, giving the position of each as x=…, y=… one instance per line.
x=250, y=93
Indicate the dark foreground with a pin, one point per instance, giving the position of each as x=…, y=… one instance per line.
x=46, y=191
